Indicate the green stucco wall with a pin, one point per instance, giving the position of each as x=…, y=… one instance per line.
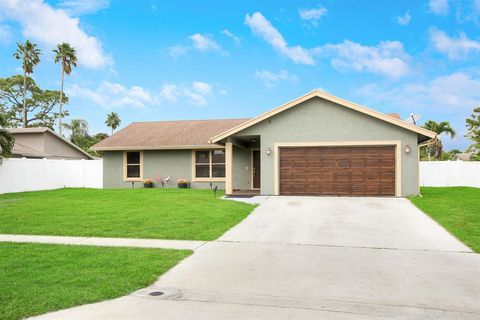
x=174, y=163
x=318, y=120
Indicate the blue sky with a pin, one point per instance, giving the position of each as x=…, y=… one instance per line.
x=158, y=60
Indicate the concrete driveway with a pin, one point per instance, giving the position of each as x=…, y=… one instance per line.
x=315, y=258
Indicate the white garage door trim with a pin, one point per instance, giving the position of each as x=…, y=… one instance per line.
x=396, y=143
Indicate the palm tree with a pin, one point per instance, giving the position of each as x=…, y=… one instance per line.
x=67, y=55
x=113, y=120
x=6, y=139
x=439, y=128
x=30, y=56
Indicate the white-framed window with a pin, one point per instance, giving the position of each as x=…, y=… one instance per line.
x=133, y=165
x=209, y=165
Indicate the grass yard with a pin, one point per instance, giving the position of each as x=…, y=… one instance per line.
x=38, y=278
x=131, y=213
x=457, y=209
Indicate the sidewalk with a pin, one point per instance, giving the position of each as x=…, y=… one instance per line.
x=105, y=242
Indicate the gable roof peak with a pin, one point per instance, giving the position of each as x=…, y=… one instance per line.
x=329, y=97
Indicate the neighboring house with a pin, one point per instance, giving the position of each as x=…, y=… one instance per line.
x=41, y=143
x=463, y=156
x=317, y=144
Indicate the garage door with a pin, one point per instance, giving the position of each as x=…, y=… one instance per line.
x=343, y=171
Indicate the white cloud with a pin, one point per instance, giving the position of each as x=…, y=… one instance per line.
x=451, y=94
x=451, y=97
x=197, y=93
x=203, y=42
x=231, y=35
x=113, y=95
x=454, y=48
x=202, y=88
x=80, y=7
x=264, y=29
x=405, y=19
x=312, y=15
x=5, y=33
x=387, y=58
x=177, y=51
x=170, y=92
x=440, y=7
x=270, y=79
x=48, y=26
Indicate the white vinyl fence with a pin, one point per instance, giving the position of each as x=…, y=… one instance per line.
x=450, y=173
x=18, y=175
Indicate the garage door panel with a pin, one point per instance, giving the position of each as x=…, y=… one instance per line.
x=338, y=171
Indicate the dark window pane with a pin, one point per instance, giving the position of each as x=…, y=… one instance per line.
x=218, y=156
x=218, y=170
x=201, y=156
x=133, y=157
x=133, y=171
x=202, y=171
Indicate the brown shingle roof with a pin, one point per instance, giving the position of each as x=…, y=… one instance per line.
x=166, y=134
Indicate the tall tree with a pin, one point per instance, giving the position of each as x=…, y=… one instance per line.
x=473, y=126
x=6, y=138
x=439, y=128
x=39, y=105
x=30, y=56
x=67, y=55
x=113, y=121
x=79, y=133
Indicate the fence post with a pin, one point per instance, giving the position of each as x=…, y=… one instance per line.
x=83, y=172
x=24, y=170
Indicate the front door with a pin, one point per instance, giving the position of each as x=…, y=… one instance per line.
x=256, y=169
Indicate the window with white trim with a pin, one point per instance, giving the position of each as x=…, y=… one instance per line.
x=209, y=164
x=133, y=165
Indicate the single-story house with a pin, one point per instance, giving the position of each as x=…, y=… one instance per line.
x=317, y=144
x=40, y=142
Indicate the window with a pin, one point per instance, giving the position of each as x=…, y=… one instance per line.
x=209, y=164
x=133, y=165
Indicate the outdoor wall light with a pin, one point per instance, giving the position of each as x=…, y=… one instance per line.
x=269, y=151
x=407, y=149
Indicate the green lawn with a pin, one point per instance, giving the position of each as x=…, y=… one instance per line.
x=38, y=278
x=135, y=213
x=457, y=209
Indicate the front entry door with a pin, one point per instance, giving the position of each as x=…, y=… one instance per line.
x=256, y=169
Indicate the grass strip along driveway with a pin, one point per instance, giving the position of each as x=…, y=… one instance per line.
x=38, y=278
x=457, y=209
x=183, y=214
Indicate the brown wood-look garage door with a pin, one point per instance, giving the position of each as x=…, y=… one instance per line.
x=343, y=171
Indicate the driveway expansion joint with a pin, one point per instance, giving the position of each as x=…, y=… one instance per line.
x=343, y=246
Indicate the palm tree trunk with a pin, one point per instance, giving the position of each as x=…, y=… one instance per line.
x=439, y=150
x=24, y=110
x=112, y=132
x=61, y=104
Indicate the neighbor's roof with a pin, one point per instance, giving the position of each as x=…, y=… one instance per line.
x=41, y=130
x=181, y=134
x=339, y=101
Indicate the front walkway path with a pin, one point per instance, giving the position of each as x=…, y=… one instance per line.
x=105, y=242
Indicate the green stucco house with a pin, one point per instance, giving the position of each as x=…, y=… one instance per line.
x=317, y=144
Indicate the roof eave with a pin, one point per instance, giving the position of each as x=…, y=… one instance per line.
x=172, y=147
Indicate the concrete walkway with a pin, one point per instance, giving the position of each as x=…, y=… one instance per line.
x=313, y=258
x=105, y=242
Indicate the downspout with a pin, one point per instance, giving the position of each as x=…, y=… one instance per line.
x=424, y=144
